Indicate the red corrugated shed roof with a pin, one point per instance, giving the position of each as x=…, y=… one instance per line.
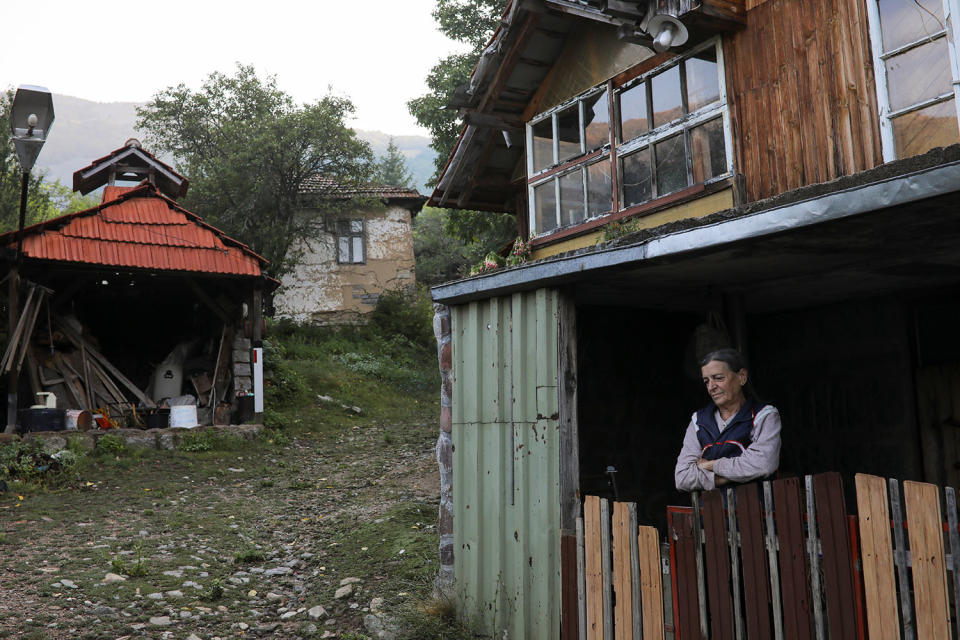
x=138, y=227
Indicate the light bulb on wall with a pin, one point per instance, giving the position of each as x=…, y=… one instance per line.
x=667, y=32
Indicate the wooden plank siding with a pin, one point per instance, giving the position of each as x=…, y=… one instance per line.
x=802, y=95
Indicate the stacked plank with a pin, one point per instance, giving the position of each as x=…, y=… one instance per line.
x=777, y=560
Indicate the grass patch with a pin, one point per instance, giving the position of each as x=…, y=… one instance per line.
x=248, y=555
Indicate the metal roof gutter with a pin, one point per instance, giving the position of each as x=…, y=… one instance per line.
x=898, y=190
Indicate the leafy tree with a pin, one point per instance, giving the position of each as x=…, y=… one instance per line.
x=439, y=256
x=249, y=150
x=392, y=168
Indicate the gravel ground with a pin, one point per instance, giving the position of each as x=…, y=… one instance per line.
x=327, y=535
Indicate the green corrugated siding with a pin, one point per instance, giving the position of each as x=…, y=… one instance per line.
x=506, y=485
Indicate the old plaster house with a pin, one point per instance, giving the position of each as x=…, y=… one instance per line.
x=788, y=166
x=363, y=251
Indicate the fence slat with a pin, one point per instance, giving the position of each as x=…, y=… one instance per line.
x=622, y=573
x=718, y=566
x=773, y=550
x=813, y=555
x=756, y=585
x=732, y=540
x=635, y=575
x=581, y=582
x=877, y=558
x=688, y=603
x=606, y=569
x=593, y=556
x=793, y=566
x=951, y=496
x=900, y=561
x=929, y=571
x=701, y=579
x=651, y=583
x=568, y=598
x=837, y=562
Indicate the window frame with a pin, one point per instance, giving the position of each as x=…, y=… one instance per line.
x=950, y=32
x=613, y=148
x=362, y=234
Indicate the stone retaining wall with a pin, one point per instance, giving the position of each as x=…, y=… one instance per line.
x=167, y=439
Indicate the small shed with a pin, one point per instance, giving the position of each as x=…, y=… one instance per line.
x=134, y=301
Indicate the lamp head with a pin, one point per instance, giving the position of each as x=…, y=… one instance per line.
x=667, y=31
x=31, y=116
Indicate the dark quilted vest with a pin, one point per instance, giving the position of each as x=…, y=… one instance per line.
x=734, y=439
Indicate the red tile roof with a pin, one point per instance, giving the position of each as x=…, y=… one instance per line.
x=138, y=227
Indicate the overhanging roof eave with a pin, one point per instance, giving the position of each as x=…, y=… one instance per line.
x=844, y=203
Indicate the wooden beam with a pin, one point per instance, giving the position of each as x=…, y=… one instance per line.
x=212, y=304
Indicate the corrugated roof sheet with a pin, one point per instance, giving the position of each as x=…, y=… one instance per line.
x=138, y=227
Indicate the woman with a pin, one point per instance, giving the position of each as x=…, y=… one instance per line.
x=734, y=439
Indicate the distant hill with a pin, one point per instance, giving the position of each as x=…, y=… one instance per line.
x=85, y=130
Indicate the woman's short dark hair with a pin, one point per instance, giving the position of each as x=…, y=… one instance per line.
x=730, y=357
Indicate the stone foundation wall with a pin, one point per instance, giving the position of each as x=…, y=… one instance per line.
x=442, y=331
x=167, y=439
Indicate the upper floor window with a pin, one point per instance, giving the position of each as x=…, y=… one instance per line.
x=350, y=242
x=915, y=70
x=658, y=133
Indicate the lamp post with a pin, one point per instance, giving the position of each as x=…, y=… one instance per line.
x=31, y=116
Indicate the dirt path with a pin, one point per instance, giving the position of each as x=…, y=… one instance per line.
x=248, y=542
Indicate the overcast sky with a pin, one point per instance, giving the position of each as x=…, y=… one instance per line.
x=376, y=52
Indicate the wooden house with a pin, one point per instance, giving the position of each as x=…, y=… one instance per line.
x=786, y=169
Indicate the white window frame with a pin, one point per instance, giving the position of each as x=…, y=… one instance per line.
x=951, y=8
x=362, y=234
x=720, y=108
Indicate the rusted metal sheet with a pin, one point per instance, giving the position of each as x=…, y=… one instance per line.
x=506, y=486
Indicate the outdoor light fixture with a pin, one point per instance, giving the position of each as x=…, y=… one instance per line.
x=31, y=117
x=666, y=31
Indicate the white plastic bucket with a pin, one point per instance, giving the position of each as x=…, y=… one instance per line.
x=184, y=416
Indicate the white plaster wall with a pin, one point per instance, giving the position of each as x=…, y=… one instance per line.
x=321, y=290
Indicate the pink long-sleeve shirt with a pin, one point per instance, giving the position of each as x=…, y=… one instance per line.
x=759, y=460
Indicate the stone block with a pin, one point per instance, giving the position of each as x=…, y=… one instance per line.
x=241, y=355
x=446, y=419
x=242, y=383
x=241, y=370
x=446, y=357
x=136, y=439
x=446, y=554
x=241, y=343
x=50, y=441
x=445, y=522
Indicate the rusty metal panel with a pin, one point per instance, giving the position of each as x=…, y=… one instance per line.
x=506, y=486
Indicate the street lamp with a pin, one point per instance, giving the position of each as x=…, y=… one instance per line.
x=31, y=116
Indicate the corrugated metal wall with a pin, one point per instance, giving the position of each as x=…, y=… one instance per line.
x=506, y=488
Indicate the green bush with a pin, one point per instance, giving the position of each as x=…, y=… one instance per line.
x=406, y=312
x=110, y=445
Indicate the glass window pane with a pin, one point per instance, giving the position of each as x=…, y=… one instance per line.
x=666, y=96
x=596, y=113
x=703, y=81
x=919, y=74
x=343, y=227
x=358, y=249
x=636, y=177
x=707, y=151
x=568, y=130
x=542, y=144
x=343, y=254
x=545, y=206
x=671, y=165
x=356, y=226
x=919, y=131
x=599, y=188
x=633, y=112
x=571, y=197
x=906, y=21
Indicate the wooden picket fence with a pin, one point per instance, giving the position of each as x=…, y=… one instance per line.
x=777, y=560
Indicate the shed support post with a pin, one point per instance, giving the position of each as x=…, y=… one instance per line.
x=256, y=342
x=13, y=378
x=442, y=331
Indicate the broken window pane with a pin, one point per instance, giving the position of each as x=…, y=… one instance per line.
x=919, y=74
x=633, y=112
x=671, y=165
x=703, y=82
x=596, y=124
x=568, y=132
x=545, y=205
x=666, y=96
x=636, y=177
x=599, y=188
x=906, y=21
x=707, y=151
x=542, y=144
x=571, y=197
x=919, y=131
x=343, y=249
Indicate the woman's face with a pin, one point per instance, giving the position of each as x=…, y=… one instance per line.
x=724, y=386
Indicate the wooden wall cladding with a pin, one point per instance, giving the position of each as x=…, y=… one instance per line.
x=801, y=88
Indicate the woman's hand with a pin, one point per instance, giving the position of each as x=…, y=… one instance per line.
x=705, y=465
